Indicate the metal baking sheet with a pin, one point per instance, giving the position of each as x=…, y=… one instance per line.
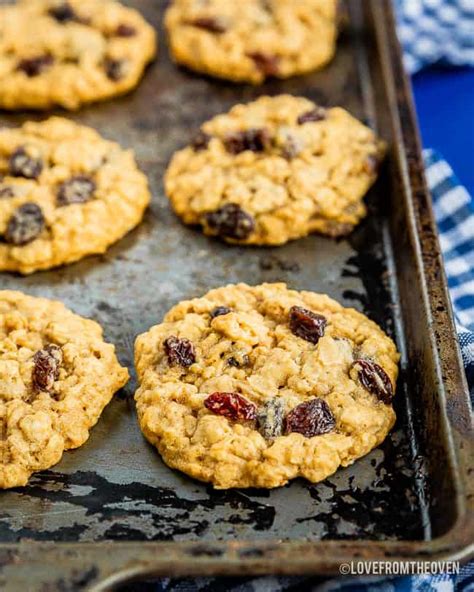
x=112, y=510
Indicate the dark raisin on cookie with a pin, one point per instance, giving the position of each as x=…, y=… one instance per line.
x=230, y=221
x=231, y=405
x=35, y=66
x=268, y=64
x=316, y=114
x=25, y=224
x=220, y=310
x=238, y=360
x=311, y=418
x=180, y=351
x=270, y=418
x=114, y=69
x=21, y=164
x=200, y=141
x=254, y=139
x=209, y=23
x=63, y=13
x=6, y=191
x=374, y=379
x=307, y=324
x=125, y=30
x=78, y=189
x=46, y=367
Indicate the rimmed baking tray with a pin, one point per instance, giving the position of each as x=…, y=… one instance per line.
x=111, y=510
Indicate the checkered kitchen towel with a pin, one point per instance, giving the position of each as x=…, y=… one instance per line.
x=454, y=211
x=431, y=31
x=436, y=31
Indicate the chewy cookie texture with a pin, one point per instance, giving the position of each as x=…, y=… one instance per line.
x=274, y=170
x=56, y=376
x=70, y=52
x=255, y=386
x=65, y=193
x=250, y=40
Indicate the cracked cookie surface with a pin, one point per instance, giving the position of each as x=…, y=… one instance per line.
x=56, y=376
x=251, y=40
x=255, y=386
x=274, y=170
x=65, y=192
x=68, y=53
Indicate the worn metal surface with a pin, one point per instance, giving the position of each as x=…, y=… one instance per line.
x=406, y=499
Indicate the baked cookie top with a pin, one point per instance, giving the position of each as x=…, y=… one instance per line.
x=254, y=386
x=65, y=193
x=56, y=376
x=274, y=170
x=67, y=53
x=250, y=40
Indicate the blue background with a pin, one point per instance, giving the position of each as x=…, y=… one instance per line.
x=445, y=106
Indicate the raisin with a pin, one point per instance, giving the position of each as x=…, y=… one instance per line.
x=200, y=141
x=6, y=191
x=311, y=418
x=63, y=13
x=231, y=405
x=307, y=324
x=220, y=310
x=179, y=351
x=316, y=114
x=209, y=23
x=46, y=367
x=77, y=189
x=238, y=361
x=270, y=418
x=124, y=30
x=255, y=139
x=26, y=224
x=115, y=69
x=374, y=378
x=35, y=66
x=231, y=221
x=21, y=164
x=267, y=64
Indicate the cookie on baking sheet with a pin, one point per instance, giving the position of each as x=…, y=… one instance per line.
x=56, y=376
x=251, y=40
x=68, y=53
x=274, y=170
x=254, y=386
x=65, y=193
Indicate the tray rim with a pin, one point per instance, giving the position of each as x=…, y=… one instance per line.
x=101, y=566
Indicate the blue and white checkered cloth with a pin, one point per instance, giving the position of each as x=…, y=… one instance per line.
x=454, y=211
x=431, y=31
x=436, y=31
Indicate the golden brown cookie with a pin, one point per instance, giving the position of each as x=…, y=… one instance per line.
x=250, y=40
x=70, y=52
x=65, y=193
x=56, y=376
x=255, y=386
x=275, y=170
